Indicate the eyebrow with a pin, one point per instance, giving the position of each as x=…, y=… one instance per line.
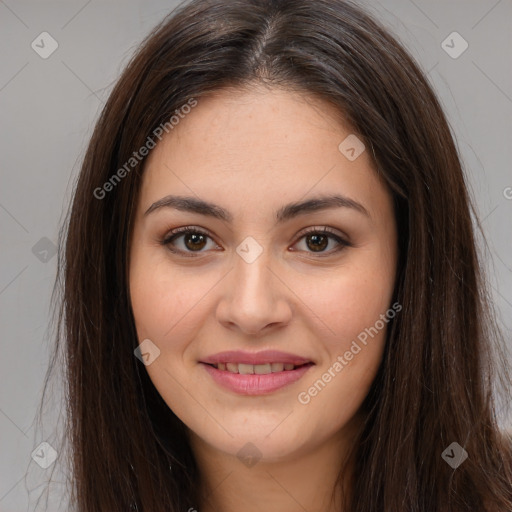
x=287, y=212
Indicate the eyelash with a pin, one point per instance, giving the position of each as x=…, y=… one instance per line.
x=175, y=233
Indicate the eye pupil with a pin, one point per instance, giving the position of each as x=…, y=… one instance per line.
x=197, y=238
x=318, y=247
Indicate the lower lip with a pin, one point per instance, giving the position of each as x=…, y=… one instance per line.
x=255, y=384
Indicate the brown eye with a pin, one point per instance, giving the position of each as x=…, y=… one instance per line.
x=318, y=242
x=192, y=240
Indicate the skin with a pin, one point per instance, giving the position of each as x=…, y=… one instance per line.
x=252, y=151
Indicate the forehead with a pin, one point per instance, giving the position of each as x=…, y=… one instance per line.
x=256, y=147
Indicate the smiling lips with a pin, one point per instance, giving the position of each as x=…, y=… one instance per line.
x=257, y=369
x=255, y=374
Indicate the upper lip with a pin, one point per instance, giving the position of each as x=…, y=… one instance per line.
x=263, y=357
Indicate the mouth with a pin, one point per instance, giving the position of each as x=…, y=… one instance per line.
x=261, y=373
x=255, y=383
x=257, y=369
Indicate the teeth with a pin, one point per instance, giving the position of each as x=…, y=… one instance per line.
x=262, y=369
x=245, y=369
x=258, y=369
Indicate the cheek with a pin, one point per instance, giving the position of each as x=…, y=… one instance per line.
x=166, y=310
x=351, y=300
x=338, y=387
x=355, y=305
x=164, y=301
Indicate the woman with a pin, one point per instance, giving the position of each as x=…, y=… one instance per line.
x=272, y=295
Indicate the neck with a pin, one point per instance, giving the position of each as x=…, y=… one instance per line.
x=314, y=479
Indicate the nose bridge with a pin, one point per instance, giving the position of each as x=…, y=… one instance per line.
x=254, y=297
x=252, y=278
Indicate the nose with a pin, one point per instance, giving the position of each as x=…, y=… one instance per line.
x=254, y=298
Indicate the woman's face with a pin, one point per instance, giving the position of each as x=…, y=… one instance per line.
x=294, y=321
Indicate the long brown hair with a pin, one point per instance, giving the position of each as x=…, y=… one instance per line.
x=436, y=381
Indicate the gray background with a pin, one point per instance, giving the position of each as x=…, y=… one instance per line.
x=48, y=108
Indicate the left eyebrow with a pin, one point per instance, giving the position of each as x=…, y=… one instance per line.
x=287, y=212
